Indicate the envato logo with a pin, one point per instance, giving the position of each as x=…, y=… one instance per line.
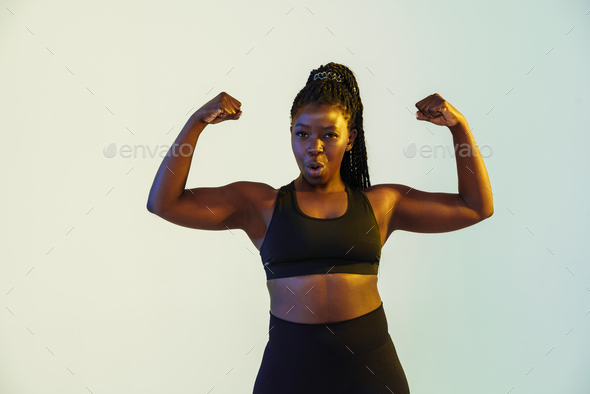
x=463, y=150
x=134, y=151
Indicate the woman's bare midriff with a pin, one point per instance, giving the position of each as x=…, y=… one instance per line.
x=323, y=298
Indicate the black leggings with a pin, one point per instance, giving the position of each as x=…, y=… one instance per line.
x=355, y=356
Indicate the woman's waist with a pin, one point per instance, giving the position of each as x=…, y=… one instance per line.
x=318, y=299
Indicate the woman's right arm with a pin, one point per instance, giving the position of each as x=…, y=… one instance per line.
x=206, y=208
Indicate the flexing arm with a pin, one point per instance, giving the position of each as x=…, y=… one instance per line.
x=210, y=208
x=425, y=212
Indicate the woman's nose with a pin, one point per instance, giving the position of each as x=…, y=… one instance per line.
x=315, y=146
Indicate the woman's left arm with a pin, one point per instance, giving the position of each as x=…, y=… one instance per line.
x=425, y=212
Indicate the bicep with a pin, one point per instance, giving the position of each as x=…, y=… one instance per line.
x=425, y=212
x=210, y=208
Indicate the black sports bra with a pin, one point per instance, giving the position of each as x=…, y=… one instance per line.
x=296, y=244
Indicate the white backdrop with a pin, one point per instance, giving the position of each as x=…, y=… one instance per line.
x=101, y=296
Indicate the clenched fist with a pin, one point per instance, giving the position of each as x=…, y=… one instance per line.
x=220, y=108
x=437, y=110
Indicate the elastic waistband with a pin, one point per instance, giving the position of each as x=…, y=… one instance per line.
x=330, y=340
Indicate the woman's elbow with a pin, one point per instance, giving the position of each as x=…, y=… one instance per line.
x=486, y=213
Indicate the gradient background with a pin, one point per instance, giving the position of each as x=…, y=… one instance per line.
x=100, y=296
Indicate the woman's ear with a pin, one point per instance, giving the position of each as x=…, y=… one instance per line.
x=351, y=137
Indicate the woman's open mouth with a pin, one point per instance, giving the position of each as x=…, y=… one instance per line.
x=315, y=169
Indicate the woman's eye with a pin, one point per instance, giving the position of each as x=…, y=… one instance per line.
x=299, y=133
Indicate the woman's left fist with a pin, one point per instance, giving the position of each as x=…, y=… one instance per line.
x=437, y=110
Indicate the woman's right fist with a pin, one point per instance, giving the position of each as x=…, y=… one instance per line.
x=220, y=108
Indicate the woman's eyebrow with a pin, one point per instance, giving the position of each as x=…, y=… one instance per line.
x=304, y=125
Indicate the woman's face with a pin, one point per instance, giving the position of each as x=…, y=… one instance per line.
x=319, y=134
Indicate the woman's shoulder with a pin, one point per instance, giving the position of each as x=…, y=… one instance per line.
x=255, y=188
x=257, y=192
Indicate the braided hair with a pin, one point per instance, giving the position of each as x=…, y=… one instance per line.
x=345, y=95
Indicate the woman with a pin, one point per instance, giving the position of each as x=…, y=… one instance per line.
x=320, y=236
